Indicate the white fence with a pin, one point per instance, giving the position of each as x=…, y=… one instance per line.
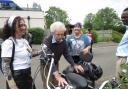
x=104, y=33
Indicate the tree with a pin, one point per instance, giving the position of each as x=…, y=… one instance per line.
x=36, y=6
x=55, y=14
x=88, y=20
x=106, y=19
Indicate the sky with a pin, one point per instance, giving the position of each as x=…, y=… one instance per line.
x=77, y=9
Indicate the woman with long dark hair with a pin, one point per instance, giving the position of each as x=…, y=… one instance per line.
x=16, y=55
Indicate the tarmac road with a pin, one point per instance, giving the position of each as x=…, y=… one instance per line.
x=104, y=55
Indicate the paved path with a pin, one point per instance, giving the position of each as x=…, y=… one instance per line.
x=104, y=44
x=104, y=55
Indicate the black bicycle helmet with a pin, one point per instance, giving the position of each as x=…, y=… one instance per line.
x=92, y=71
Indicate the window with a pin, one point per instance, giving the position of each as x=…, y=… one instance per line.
x=8, y=5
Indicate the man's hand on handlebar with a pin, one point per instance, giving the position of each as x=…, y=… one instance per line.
x=60, y=79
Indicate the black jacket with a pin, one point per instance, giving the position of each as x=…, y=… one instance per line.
x=58, y=49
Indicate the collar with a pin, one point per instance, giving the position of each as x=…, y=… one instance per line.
x=54, y=40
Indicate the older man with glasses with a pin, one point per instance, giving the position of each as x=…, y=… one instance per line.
x=56, y=44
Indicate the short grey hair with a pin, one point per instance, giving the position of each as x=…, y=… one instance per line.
x=54, y=26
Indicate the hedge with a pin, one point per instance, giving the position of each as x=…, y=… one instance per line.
x=0, y=32
x=116, y=36
x=37, y=35
x=94, y=34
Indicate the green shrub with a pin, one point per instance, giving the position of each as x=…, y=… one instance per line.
x=104, y=39
x=94, y=34
x=37, y=35
x=84, y=30
x=0, y=32
x=123, y=76
x=120, y=29
x=116, y=36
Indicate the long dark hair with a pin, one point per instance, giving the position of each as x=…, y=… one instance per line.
x=10, y=31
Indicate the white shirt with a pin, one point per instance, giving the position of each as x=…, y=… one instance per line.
x=22, y=57
x=122, y=49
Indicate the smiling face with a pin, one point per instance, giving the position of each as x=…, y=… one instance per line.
x=124, y=17
x=20, y=28
x=77, y=31
x=59, y=34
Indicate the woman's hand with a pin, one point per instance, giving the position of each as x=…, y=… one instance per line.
x=78, y=68
x=85, y=50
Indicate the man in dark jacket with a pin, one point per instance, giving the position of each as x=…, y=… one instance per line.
x=56, y=43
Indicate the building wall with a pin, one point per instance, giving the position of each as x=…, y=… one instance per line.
x=36, y=17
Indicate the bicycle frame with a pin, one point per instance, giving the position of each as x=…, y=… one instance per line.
x=43, y=47
x=103, y=84
x=49, y=72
